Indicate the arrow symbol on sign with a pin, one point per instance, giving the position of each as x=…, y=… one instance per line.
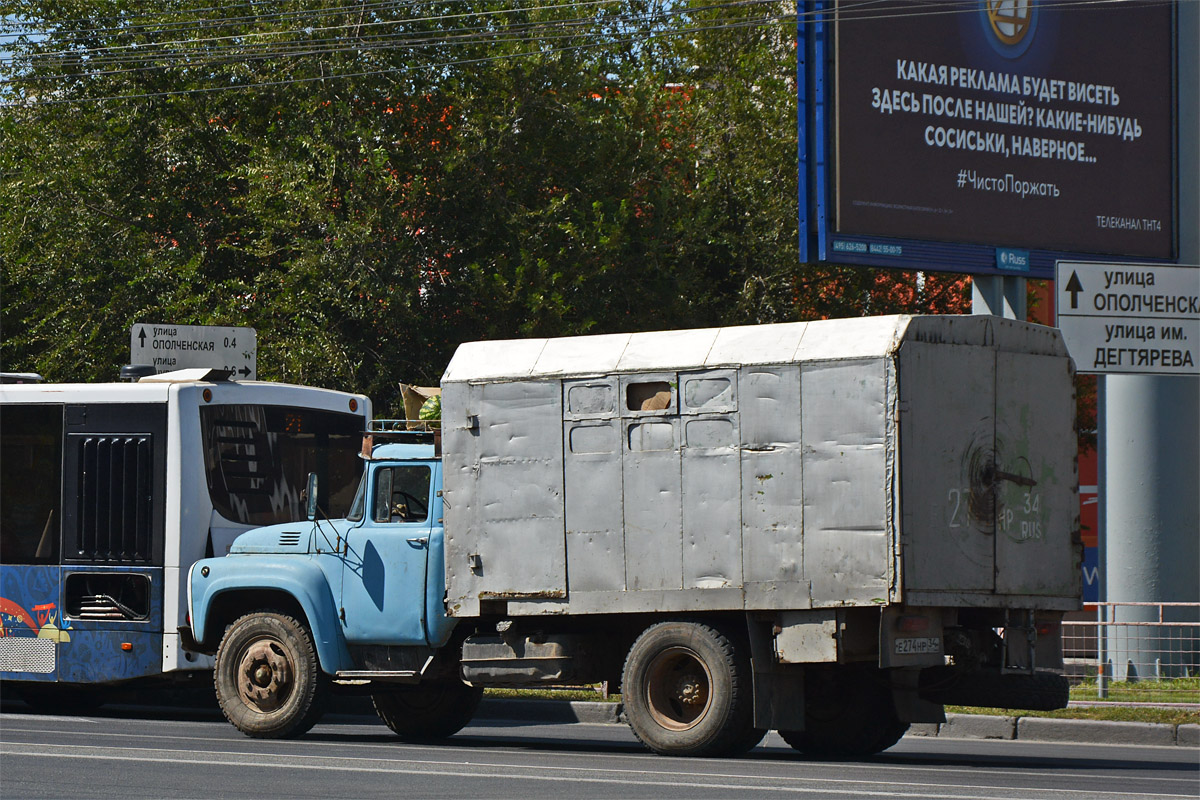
x=142, y=337
x=244, y=371
x=1074, y=287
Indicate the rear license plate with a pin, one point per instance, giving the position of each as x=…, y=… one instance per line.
x=926, y=644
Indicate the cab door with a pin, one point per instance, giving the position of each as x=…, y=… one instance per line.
x=385, y=559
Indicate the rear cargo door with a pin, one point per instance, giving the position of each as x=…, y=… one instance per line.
x=1035, y=481
x=947, y=451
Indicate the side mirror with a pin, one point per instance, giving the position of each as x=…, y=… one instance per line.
x=311, y=495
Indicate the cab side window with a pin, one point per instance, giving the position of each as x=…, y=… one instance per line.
x=401, y=494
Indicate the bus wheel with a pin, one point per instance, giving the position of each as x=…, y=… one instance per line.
x=54, y=698
x=687, y=691
x=268, y=678
x=429, y=711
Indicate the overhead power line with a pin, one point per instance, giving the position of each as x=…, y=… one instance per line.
x=141, y=52
x=467, y=29
x=431, y=66
x=309, y=29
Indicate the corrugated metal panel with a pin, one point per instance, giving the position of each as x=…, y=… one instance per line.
x=710, y=391
x=865, y=337
x=712, y=515
x=757, y=344
x=508, y=358
x=711, y=469
x=568, y=355
x=772, y=547
x=653, y=504
x=985, y=331
x=460, y=458
x=1037, y=499
x=667, y=350
x=784, y=343
x=844, y=423
x=947, y=452
x=595, y=537
x=517, y=533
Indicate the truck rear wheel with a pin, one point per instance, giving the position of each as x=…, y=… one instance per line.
x=268, y=677
x=848, y=713
x=433, y=711
x=687, y=691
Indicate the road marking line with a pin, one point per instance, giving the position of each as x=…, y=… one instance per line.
x=473, y=770
x=449, y=749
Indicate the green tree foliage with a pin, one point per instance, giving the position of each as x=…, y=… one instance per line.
x=370, y=184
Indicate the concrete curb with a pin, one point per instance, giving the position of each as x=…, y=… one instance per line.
x=1095, y=731
x=1041, y=729
x=1188, y=735
x=978, y=726
x=956, y=726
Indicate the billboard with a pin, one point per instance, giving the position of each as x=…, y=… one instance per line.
x=989, y=136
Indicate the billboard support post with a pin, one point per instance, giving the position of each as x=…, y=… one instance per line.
x=1000, y=295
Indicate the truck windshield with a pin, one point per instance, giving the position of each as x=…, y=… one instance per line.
x=359, y=504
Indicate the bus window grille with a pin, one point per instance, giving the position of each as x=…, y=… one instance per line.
x=115, y=499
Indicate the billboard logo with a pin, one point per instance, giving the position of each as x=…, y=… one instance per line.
x=1016, y=260
x=1010, y=25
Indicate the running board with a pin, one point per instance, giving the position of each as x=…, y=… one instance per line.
x=351, y=676
x=391, y=665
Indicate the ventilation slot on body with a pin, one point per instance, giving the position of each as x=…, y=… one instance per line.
x=115, y=498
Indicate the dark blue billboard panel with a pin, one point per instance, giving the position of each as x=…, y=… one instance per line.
x=990, y=136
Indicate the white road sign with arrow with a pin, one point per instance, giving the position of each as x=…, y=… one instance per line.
x=1130, y=319
x=171, y=347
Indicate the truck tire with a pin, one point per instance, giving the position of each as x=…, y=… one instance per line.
x=848, y=713
x=687, y=691
x=268, y=677
x=434, y=711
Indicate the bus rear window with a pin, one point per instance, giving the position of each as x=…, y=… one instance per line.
x=257, y=459
x=30, y=477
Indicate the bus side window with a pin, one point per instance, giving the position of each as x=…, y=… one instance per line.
x=31, y=442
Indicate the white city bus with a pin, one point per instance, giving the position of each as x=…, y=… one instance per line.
x=109, y=493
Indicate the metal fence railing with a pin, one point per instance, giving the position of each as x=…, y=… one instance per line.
x=1135, y=653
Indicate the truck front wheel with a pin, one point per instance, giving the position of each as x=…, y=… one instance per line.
x=687, y=691
x=432, y=711
x=268, y=677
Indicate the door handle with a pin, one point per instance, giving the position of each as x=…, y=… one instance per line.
x=418, y=541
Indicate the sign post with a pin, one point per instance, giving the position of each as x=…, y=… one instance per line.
x=1138, y=326
x=171, y=347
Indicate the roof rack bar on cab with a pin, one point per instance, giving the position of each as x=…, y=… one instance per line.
x=409, y=431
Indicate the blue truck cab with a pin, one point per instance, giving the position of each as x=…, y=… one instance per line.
x=299, y=608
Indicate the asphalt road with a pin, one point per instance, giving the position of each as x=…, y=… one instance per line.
x=146, y=754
